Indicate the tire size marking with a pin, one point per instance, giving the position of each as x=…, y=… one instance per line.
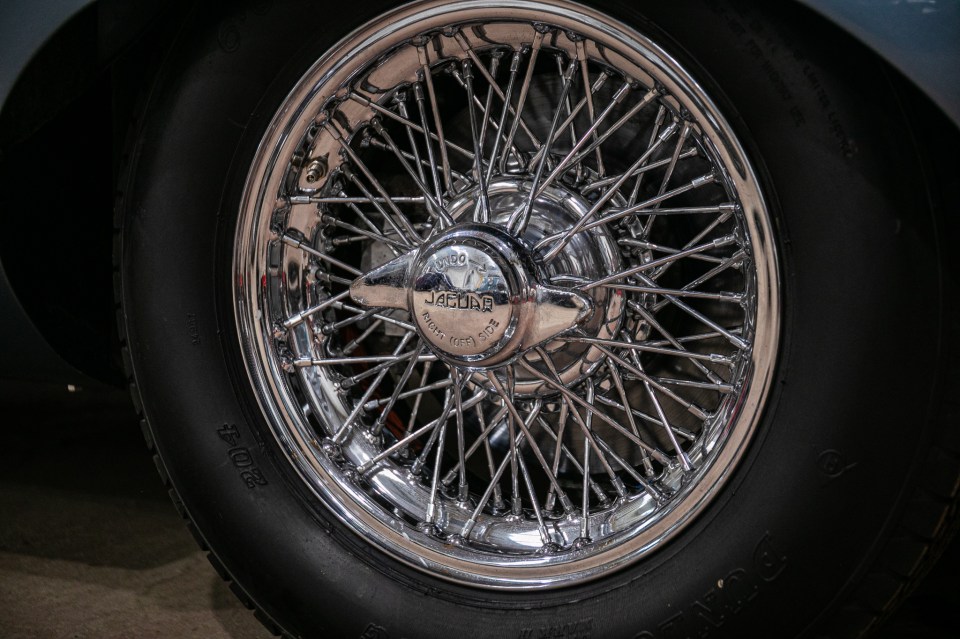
x=582, y=629
x=192, y=329
x=727, y=597
x=240, y=457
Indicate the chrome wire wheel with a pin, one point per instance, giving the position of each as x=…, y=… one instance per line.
x=507, y=291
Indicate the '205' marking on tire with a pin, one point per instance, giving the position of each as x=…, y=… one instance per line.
x=241, y=458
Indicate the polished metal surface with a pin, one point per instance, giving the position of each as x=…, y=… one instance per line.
x=507, y=290
x=475, y=295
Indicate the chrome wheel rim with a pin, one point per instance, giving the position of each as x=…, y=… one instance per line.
x=598, y=276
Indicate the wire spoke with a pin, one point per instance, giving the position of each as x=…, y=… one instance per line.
x=524, y=88
x=648, y=266
x=518, y=221
x=576, y=399
x=427, y=77
x=483, y=202
x=435, y=206
x=519, y=422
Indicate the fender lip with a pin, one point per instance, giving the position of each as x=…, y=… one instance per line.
x=919, y=39
x=25, y=28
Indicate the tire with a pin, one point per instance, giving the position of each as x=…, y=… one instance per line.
x=800, y=513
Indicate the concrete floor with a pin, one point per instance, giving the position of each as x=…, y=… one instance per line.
x=91, y=547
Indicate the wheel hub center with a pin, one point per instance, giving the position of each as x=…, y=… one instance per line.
x=465, y=294
x=475, y=295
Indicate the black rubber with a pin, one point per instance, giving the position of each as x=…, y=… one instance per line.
x=849, y=488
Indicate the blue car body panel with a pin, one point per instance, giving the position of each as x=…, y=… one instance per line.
x=25, y=26
x=920, y=38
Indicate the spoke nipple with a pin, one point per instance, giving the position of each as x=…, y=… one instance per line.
x=541, y=27
x=332, y=450
x=620, y=488
x=302, y=362
x=372, y=435
x=428, y=528
x=458, y=540
x=666, y=133
x=351, y=474
x=580, y=543
x=724, y=241
x=703, y=179
x=548, y=549
x=550, y=503
x=293, y=238
x=357, y=97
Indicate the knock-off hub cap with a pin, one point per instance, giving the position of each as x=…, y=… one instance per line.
x=475, y=294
